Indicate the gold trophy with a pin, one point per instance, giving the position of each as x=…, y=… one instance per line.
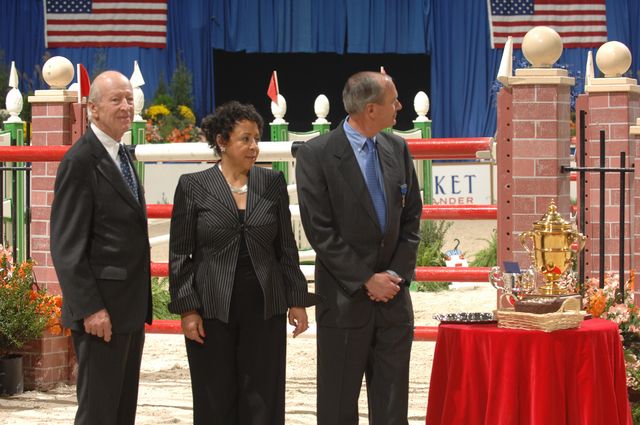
x=551, y=252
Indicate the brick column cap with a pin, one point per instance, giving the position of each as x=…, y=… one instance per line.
x=541, y=76
x=50, y=96
x=612, y=85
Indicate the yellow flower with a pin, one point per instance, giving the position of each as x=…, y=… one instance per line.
x=187, y=113
x=155, y=111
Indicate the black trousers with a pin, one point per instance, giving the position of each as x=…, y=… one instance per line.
x=380, y=351
x=108, y=375
x=238, y=374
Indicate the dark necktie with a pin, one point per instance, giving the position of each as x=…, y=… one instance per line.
x=125, y=169
x=372, y=179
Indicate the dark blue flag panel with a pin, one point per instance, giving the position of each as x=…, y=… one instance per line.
x=455, y=33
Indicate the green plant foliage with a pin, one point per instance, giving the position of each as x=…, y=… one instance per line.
x=635, y=413
x=430, y=286
x=432, y=234
x=182, y=85
x=487, y=256
x=162, y=96
x=170, y=118
x=161, y=298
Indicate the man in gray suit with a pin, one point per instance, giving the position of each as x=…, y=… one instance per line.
x=100, y=250
x=360, y=206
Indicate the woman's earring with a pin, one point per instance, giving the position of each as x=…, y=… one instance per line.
x=222, y=149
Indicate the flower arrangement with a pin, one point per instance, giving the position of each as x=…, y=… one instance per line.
x=25, y=309
x=171, y=126
x=170, y=118
x=606, y=303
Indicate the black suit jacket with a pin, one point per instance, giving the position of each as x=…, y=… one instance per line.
x=99, y=240
x=205, y=242
x=340, y=222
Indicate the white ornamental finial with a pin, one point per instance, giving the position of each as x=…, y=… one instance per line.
x=138, y=96
x=421, y=106
x=136, y=78
x=279, y=110
x=13, y=76
x=321, y=108
x=14, y=97
x=589, y=71
x=506, y=63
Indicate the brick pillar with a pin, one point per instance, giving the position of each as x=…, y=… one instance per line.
x=612, y=105
x=533, y=143
x=50, y=359
x=51, y=126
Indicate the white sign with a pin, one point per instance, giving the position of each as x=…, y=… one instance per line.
x=462, y=183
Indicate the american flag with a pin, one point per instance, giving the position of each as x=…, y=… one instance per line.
x=580, y=23
x=105, y=23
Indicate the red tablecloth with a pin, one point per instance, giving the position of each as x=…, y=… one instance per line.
x=490, y=376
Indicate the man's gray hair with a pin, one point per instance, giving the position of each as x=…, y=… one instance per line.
x=94, y=97
x=362, y=88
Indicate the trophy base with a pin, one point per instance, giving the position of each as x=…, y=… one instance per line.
x=552, y=288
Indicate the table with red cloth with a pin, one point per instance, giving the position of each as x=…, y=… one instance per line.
x=487, y=375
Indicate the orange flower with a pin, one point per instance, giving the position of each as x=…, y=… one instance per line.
x=597, y=304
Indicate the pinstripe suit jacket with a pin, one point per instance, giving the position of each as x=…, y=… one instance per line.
x=205, y=242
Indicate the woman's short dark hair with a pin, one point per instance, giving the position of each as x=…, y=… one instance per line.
x=224, y=120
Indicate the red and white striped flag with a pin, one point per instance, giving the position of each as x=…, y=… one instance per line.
x=105, y=23
x=580, y=23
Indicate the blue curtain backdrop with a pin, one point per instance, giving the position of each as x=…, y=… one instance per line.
x=454, y=32
x=188, y=37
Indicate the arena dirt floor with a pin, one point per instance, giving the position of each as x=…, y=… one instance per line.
x=165, y=393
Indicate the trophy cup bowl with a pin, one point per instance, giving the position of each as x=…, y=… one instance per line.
x=550, y=245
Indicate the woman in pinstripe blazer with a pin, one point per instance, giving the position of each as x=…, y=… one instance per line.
x=234, y=273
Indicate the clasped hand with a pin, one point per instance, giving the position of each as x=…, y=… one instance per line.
x=382, y=287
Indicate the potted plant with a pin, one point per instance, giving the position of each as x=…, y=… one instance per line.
x=25, y=312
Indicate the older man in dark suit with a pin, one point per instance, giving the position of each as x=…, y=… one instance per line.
x=100, y=250
x=360, y=206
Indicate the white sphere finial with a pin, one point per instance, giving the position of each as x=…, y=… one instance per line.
x=421, y=106
x=14, y=97
x=542, y=46
x=321, y=108
x=279, y=110
x=613, y=58
x=58, y=72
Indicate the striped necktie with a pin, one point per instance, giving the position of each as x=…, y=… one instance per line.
x=372, y=178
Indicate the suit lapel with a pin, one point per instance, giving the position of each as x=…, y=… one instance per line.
x=261, y=196
x=256, y=188
x=109, y=169
x=348, y=166
x=387, y=164
x=218, y=187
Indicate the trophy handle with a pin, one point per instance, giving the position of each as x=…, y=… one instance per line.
x=523, y=240
x=495, y=276
x=580, y=239
x=509, y=297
